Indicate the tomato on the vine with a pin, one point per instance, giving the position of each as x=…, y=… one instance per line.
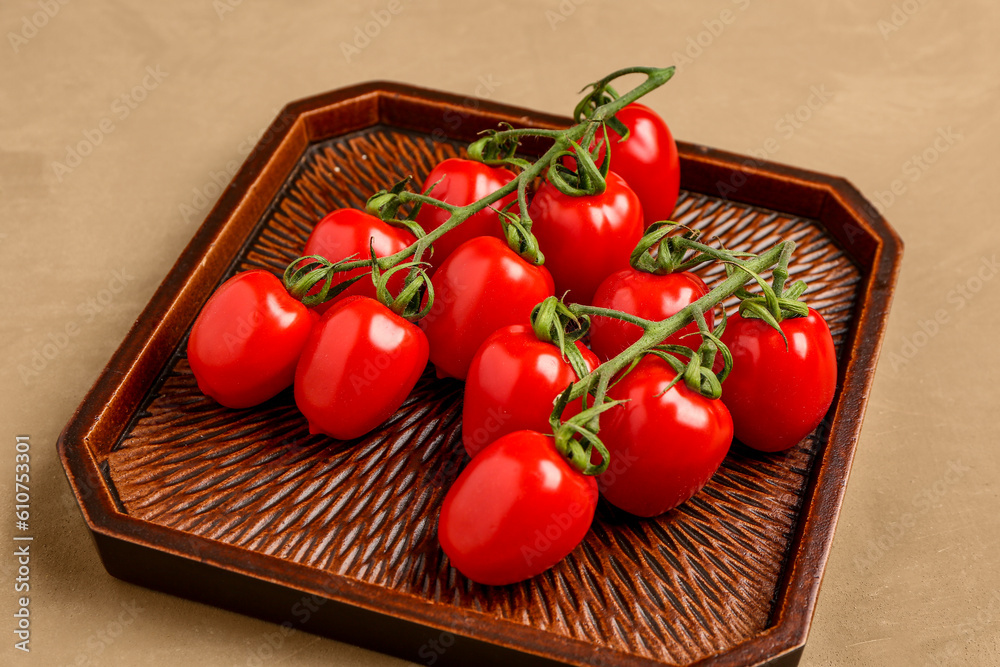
x=247, y=339
x=664, y=445
x=346, y=232
x=517, y=509
x=461, y=183
x=647, y=160
x=358, y=366
x=649, y=296
x=482, y=286
x=585, y=239
x=512, y=385
x=777, y=396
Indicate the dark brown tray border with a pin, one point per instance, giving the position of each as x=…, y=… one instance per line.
x=221, y=575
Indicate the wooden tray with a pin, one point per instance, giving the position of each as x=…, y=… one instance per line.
x=246, y=511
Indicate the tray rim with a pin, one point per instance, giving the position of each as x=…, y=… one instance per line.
x=284, y=144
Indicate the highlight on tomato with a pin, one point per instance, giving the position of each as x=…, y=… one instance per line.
x=649, y=296
x=461, y=182
x=358, y=366
x=348, y=232
x=585, y=239
x=482, y=286
x=247, y=339
x=777, y=393
x=512, y=384
x=658, y=284
x=517, y=509
x=647, y=160
x=665, y=441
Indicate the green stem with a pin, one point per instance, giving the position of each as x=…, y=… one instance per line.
x=656, y=332
x=562, y=141
x=581, y=309
x=780, y=273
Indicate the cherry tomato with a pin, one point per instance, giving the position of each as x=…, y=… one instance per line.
x=358, y=366
x=516, y=510
x=649, y=296
x=648, y=161
x=347, y=232
x=463, y=182
x=778, y=396
x=247, y=339
x=512, y=384
x=482, y=286
x=664, y=446
x=585, y=239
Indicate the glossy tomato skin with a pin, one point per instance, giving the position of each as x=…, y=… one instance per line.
x=358, y=366
x=346, y=232
x=664, y=447
x=778, y=397
x=585, y=239
x=482, y=286
x=461, y=183
x=516, y=510
x=650, y=297
x=512, y=385
x=247, y=339
x=648, y=161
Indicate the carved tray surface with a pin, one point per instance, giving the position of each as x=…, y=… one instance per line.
x=676, y=589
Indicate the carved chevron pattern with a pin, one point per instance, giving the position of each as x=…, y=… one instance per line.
x=679, y=588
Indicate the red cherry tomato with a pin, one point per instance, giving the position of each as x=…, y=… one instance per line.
x=358, y=366
x=512, y=384
x=461, y=183
x=664, y=447
x=585, y=239
x=482, y=286
x=650, y=297
x=515, y=511
x=648, y=161
x=347, y=232
x=778, y=396
x=247, y=339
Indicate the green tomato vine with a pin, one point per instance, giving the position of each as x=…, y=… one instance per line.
x=661, y=250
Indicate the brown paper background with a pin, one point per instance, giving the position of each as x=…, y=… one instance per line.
x=913, y=576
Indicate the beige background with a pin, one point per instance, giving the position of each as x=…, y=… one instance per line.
x=913, y=576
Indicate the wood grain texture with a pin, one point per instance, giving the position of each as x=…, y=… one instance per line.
x=676, y=589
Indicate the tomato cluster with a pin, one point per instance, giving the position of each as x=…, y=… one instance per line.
x=467, y=281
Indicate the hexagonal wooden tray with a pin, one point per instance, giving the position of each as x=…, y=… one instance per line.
x=247, y=511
